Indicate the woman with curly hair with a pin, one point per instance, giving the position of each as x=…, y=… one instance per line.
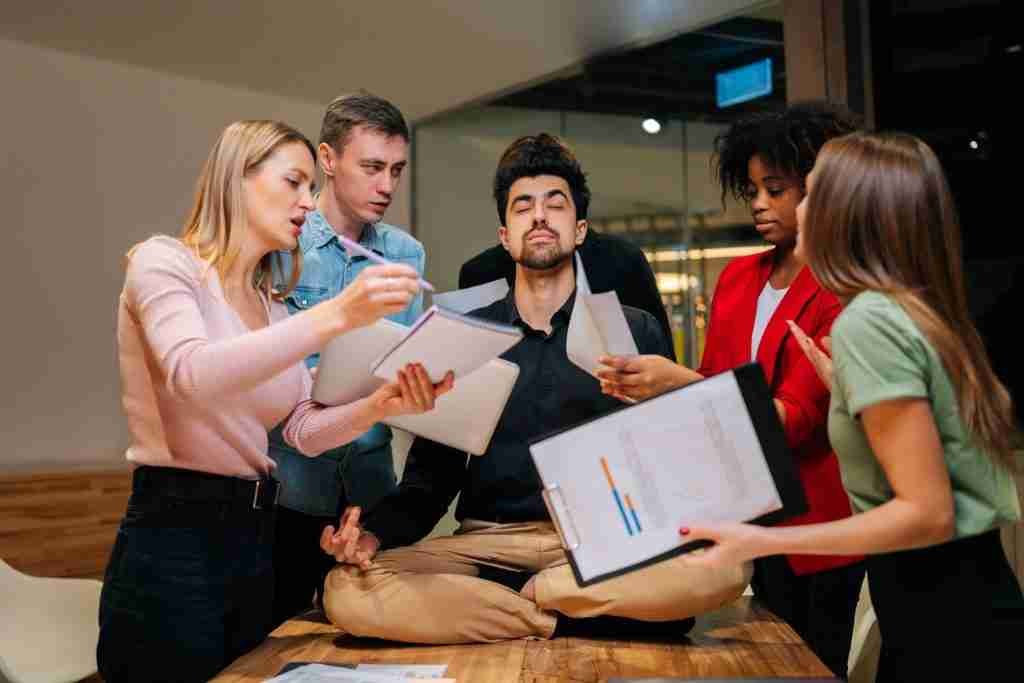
x=764, y=160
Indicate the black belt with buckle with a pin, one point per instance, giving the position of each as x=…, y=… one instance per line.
x=150, y=482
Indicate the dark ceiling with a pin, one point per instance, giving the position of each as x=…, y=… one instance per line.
x=674, y=79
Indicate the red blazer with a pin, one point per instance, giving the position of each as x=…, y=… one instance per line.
x=791, y=377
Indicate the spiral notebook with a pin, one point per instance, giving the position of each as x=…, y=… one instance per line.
x=465, y=418
x=442, y=340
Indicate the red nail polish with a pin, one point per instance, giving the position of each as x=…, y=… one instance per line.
x=685, y=530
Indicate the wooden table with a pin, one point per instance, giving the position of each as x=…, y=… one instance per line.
x=741, y=640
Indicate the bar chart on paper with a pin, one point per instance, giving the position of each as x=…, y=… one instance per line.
x=623, y=502
x=620, y=486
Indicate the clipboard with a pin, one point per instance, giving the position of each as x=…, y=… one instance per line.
x=741, y=460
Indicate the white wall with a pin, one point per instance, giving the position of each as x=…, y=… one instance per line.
x=96, y=156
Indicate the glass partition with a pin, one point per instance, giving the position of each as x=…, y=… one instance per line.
x=643, y=126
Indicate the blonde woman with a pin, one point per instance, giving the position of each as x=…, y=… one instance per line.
x=920, y=423
x=210, y=361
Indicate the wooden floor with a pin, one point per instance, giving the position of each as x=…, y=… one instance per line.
x=738, y=641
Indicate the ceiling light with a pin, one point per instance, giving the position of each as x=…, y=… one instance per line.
x=652, y=126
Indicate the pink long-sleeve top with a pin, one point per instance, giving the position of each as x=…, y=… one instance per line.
x=199, y=388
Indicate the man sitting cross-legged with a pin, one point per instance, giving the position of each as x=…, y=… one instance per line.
x=469, y=587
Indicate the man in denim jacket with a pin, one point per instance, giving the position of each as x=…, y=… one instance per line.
x=362, y=152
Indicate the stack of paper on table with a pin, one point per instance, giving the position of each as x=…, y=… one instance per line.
x=310, y=672
x=464, y=418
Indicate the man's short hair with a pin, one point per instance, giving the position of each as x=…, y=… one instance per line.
x=787, y=141
x=534, y=155
x=347, y=112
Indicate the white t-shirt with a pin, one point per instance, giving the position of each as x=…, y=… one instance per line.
x=767, y=302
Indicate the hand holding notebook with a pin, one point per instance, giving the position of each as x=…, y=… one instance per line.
x=464, y=418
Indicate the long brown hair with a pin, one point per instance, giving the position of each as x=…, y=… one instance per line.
x=880, y=217
x=216, y=224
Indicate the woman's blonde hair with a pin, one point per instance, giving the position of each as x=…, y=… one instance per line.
x=216, y=224
x=880, y=217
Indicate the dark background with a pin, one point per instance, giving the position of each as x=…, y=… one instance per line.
x=948, y=71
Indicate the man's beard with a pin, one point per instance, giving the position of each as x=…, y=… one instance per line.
x=543, y=258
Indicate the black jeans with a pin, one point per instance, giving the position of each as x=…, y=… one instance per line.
x=820, y=607
x=940, y=611
x=190, y=582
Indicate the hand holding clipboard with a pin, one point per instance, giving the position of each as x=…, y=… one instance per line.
x=618, y=486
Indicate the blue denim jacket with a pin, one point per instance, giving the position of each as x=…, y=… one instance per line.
x=363, y=470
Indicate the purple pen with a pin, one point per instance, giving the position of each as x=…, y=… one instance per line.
x=375, y=257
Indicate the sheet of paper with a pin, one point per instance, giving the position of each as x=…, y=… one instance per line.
x=407, y=670
x=610, y=319
x=443, y=340
x=598, y=327
x=325, y=673
x=472, y=298
x=582, y=283
x=627, y=481
x=466, y=416
x=364, y=673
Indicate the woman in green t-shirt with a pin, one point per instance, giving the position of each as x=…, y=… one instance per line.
x=922, y=427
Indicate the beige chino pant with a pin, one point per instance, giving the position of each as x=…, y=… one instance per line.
x=430, y=592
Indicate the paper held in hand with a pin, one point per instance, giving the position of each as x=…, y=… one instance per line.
x=619, y=486
x=442, y=340
x=471, y=298
x=464, y=418
x=598, y=328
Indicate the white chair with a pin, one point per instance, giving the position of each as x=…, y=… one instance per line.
x=48, y=628
x=866, y=643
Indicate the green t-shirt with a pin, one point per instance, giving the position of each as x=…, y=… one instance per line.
x=879, y=354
